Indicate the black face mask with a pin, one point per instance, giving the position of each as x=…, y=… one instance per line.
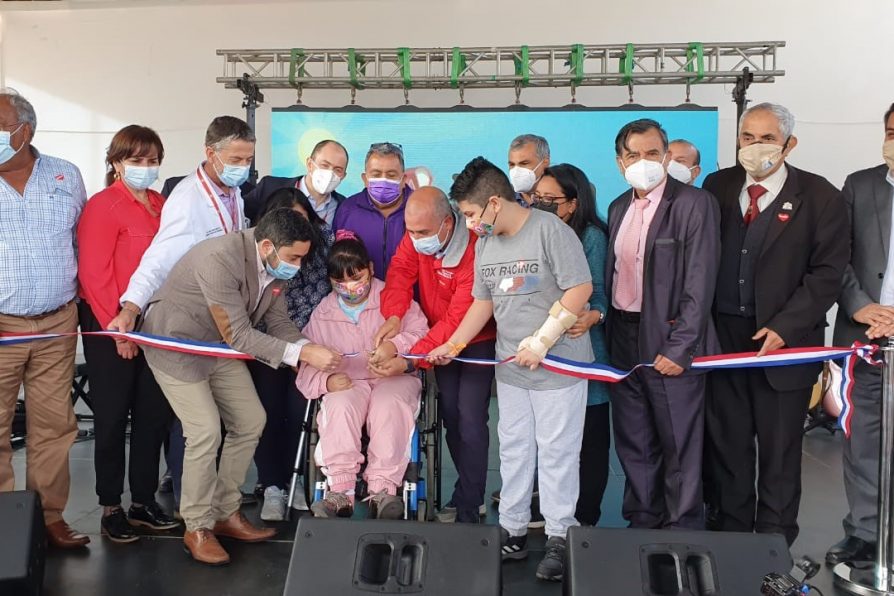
x=548, y=207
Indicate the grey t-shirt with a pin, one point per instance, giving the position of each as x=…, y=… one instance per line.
x=524, y=275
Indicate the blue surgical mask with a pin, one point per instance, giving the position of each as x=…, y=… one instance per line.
x=231, y=176
x=284, y=271
x=140, y=177
x=6, y=150
x=429, y=245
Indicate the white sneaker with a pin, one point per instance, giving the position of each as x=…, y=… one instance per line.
x=274, y=508
x=300, y=502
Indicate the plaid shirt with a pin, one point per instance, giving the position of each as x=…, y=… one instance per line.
x=38, y=260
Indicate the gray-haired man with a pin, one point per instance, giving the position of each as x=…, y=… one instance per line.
x=528, y=157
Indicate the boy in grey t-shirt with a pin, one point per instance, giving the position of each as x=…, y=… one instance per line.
x=531, y=275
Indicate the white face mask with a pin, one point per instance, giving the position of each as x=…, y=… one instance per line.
x=645, y=174
x=679, y=172
x=760, y=158
x=523, y=179
x=324, y=181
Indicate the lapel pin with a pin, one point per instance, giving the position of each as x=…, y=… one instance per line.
x=277, y=291
x=783, y=217
x=787, y=206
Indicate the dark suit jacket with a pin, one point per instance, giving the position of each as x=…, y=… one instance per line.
x=170, y=183
x=682, y=256
x=256, y=200
x=210, y=296
x=868, y=196
x=800, y=267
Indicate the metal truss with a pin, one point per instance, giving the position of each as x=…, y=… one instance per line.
x=505, y=67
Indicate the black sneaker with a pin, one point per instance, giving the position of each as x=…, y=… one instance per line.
x=115, y=527
x=552, y=567
x=151, y=516
x=166, y=486
x=513, y=547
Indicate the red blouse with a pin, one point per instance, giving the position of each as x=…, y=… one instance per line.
x=114, y=231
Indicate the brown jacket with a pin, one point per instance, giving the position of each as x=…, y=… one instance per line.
x=210, y=296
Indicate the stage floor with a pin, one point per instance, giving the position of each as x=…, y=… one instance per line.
x=157, y=565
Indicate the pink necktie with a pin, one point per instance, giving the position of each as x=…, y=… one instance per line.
x=625, y=291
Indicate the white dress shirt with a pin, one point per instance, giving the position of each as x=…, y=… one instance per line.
x=772, y=183
x=293, y=351
x=887, y=295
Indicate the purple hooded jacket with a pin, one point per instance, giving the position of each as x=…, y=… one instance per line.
x=381, y=236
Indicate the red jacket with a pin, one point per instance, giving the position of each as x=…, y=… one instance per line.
x=445, y=288
x=113, y=233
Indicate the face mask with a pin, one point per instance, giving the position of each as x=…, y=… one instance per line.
x=6, y=150
x=140, y=177
x=284, y=271
x=888, y=154
x=353, y=292
x=429, y=245
x=324, y=181
x=232, y=176
x=645, y=174
x=523, y=179
x=760, y=158
x=548, y=207
x=679, y=172
x=479, y=228
x=382, y=191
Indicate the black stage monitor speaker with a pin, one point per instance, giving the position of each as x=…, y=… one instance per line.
x=22, y=543
x=339, y=557
x=629, y=562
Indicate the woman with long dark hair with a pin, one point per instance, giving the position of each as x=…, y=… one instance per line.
x=565, y=190
x=115, y=229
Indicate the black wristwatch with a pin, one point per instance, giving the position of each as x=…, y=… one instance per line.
x=411, y=366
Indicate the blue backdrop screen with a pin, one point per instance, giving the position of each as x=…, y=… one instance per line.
x=445, y=140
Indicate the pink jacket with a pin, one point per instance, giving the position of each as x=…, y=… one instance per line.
x=331, y=327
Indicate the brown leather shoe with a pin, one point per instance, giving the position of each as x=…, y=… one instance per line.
x=236, y=526
x=203, y=546
x=60, y=535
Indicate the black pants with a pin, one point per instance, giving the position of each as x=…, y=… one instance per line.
x=659, y=430
x=743, y=406
x=593, y=464
x=464, y=391
x=284, y=404
x=119, y=388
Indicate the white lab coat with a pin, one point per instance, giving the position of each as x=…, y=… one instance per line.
x=187, y=218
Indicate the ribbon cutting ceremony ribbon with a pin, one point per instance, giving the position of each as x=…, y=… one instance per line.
x=582, y=370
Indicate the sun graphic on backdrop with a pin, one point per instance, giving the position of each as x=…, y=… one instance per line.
x=310, y=138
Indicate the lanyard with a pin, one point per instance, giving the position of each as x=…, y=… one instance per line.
x=214, y=202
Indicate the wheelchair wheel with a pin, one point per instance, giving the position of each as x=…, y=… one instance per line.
x=431, y=447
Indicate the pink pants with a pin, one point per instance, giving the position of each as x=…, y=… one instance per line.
x=388, y=407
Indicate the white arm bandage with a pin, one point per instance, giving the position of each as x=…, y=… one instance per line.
x=559, y=321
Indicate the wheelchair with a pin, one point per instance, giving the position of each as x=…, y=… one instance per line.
x=421, y=488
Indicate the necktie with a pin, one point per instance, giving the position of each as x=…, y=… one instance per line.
x=755, y=192
x=626, y=289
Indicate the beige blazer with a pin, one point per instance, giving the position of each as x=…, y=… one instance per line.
x=210, y=296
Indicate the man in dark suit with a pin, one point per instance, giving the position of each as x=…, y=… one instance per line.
x=784, y=248
x=661, y=266
x=326, y=168
x=866, y=310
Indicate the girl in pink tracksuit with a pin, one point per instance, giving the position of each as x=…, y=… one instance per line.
x=347, y=321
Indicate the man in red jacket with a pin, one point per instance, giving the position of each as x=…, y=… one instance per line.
x=441, y=258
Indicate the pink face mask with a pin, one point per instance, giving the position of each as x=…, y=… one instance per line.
x=353, y=291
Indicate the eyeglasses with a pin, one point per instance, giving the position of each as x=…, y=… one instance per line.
x=539, y=198
x=387, y=148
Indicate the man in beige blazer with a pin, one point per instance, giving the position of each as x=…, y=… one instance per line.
x=220, y=291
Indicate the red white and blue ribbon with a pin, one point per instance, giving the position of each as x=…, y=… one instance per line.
x=591, y=371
